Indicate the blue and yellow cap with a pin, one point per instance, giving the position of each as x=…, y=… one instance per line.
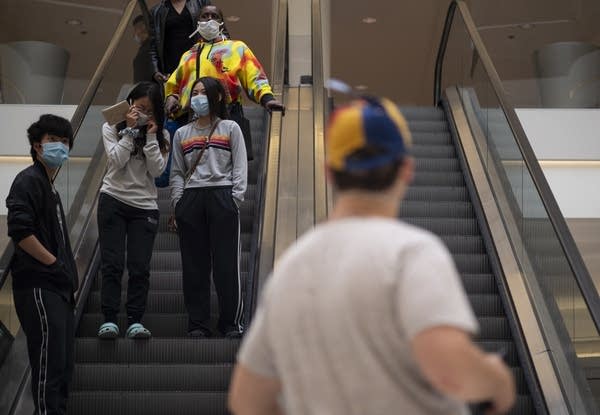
x=374, y=123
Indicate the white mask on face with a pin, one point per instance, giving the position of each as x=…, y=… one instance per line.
x=209, y=29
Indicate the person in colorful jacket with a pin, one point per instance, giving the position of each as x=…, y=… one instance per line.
x=230, y=61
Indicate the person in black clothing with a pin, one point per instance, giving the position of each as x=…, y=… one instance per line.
x=143, y=70
x=172, y=22
x=43, y=269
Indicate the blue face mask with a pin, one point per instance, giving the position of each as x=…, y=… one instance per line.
x=199, y=104
x=54, y=154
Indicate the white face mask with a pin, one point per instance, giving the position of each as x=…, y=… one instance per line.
x=209, y=29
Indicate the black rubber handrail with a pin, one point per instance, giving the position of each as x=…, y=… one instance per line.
x=82, y=107
x=572, y=254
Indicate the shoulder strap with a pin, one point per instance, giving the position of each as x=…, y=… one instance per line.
x=193, y=168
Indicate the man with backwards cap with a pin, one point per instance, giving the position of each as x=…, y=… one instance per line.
x=366, y=314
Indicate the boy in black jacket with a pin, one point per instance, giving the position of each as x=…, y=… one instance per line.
x=43, y=269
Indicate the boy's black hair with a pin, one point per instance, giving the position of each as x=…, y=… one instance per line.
x=49, y=124
x=377, y=179
x=212, y=89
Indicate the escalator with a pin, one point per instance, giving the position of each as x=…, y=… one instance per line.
x=169, y=373
x=439, y=201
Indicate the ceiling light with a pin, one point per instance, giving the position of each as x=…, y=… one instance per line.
x=369, y=20
x=233, y=19
x=73, y=22
x=361, y=87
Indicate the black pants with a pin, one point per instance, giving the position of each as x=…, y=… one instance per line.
x=236, y=113
x=122, y=227
x=209, y=234
x=47, y=320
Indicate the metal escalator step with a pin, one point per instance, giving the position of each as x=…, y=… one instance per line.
x=148, y=403
x=425, y=178
x=438, y=193
x=161, y=325
x=494, y=328
x=436, y=164
x=423, y=113
x=158, y=350
x=417, y=126
x=435, y=138
x=472, y=263
x=169, y=261
x=152, y=377
x=169, y=241
x=435, y=151
x=523, y=405
x=464, y=244
x=446, y=226
x=486, y=305
x=157, y=302
x=479, y=283
x=415, y=208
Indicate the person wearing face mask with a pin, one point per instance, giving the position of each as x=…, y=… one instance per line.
x=208, y=182
x=142, y=64
x=231, y=62
x=137, y=152
x=172, y=21
x=44, y=275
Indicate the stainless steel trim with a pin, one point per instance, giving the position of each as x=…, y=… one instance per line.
x=306, y=197
x=271, y=178
x=321, y=187
x=543, y=344
x=582, y=276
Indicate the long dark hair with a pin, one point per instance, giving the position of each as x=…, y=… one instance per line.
x=155, y=95
x=214, y=91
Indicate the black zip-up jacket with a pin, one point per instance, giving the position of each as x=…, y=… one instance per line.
x=158, y=16
x=34, y=208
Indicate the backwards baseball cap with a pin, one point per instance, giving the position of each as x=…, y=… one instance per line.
x=366, y=124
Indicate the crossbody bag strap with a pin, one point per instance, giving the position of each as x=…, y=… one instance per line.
x=193, y=168
x=198, y=61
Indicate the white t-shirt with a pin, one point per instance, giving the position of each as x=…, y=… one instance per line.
x=336, y=318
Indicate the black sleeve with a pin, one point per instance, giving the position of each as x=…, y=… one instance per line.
x=153, y=51
x=20, y=203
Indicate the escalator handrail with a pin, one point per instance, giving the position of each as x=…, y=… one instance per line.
x=81, y=110
x=267, y=210
x=572, y=254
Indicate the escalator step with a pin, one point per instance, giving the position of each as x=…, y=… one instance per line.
x=418, y=126
x=158, y=350
x=437, y=164
x=152, y=377
x=446, y=226
x=427, y=138
x=157, y=302
x=508, y=347
x=169, y=241
x=472, y=264
x=494, y=328
x=438, y=179
x=479, y=283
x=486, y=305
x=161, y=325
x=459, y=244
x=415, y=208
x=169, y=260
x=435, y=151
x=148, y=403
x=423, y=113
x=438, y=193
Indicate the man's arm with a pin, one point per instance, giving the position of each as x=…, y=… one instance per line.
x=458, y=368
x=253, y=394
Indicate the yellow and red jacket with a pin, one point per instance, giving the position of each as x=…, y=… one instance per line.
x=230, y=61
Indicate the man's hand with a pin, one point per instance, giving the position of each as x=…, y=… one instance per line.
x=505, y=392
x=275, y=105
x=172, y=105
x=161, y=77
